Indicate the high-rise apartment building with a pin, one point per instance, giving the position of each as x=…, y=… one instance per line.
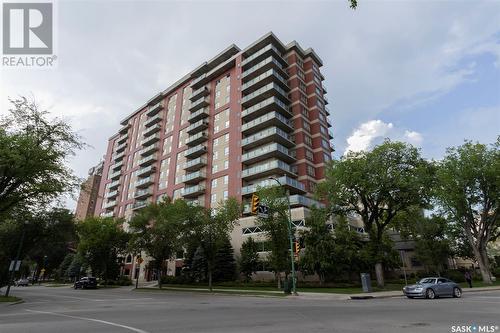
x=221, y=131
x=89, y=190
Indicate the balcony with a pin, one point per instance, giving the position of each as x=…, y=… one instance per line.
x=271, y=134
x=142, y=194
x=199, y=104
x=267, y=105
x=261, y=54
x=120, y=147
x=195, y=164
x=203, y=91
x=108, y=214
x=124, y=129
x=269, y=119
x=267, y=77
x=146, y=171
x=300, y=200
x=147, y=160
x=144, y=182
x=154, y=109
x=194, y=177
x=115, y=175
x=294, y=186
x=123, y=138
x=261, y=67
x=112, y=194
x=151, y=130
x=195, y=151
x=198, y=115
x=197, y=126
x=149, y=149
x=150, y=139
x=264, y=152
x=114, y=184
x=110, y=204
x=119, y=156
x=193, y=140
x=153, y=120
x=267, y=91
x=117, y=166
x=200, y=78
x=139, y=205
x=194, y=191
x=271, y=167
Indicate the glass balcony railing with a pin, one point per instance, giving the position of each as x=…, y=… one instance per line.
x=123, y=138
x=267, y=151
x=276, y=166
x=110, y=204
x=267, y=135
x=194, y=190
x=117, y=166
x=147, y=160
x=144, y=182
x=195, y=151
x=153, y=120
x=151, y=130
x=261, y=66
x=149, y=149
x=265, y=90
x=118, y=156
x=199, y=104
x=114, y=184
x=112, y=194
x=194, y=176
x=265, y=106
x=271, y=118
x=150, y=139
x=196, y=116
x=120, y=147
x=115, y=175
x=146, y=171
x=203, y=91
x=139, y=204
x=261, y=52
x=195, y=164
x=271, y=74
x=143, y=193
x=292, y=184
x=154, y=109
x=197, y=126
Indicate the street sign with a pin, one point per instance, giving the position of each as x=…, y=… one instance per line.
x=15, y=263
x=263, y=211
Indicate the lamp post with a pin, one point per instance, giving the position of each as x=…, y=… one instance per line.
x=11, y=273
x=290, y=237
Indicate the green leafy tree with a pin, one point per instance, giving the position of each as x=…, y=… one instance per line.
x=249, y=258
x=377, y=186
x=157, y=230
x=225, y=264
x=33, y=152
x=469, y=193
x=275, y=227
x=77, y=267
x=102, y=242
x=63, y=267
x=210, y=229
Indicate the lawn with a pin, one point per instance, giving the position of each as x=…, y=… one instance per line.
x=9, y=299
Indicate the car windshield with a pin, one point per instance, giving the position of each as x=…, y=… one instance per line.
x=427, y=281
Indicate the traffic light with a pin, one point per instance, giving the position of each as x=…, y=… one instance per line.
x=296, y=245
x=255, y=204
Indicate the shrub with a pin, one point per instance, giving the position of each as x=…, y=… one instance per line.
x=455, y=275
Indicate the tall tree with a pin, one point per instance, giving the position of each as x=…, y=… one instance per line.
x=33, y=154
x=469, y=192
x=156, y=229
x=102, y=241
x=249, y=258
x=377, y=186
x=275, y=226
x=210, y=228
x=225, y=264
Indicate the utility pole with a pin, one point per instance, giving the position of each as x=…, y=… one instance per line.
x=290, y=237
x=11, y=273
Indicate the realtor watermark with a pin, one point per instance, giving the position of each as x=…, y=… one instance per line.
x=474, y=328
x=28, y=34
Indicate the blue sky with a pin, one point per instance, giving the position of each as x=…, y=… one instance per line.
x=427, y=72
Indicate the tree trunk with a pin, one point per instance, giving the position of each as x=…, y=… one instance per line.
x=210, y=278
x=484, y=264
x=379, y=272
x=159, y=276
x=278, y=278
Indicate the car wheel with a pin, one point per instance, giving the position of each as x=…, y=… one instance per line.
x=409, y=296
x=430, y=294
x=457, y=293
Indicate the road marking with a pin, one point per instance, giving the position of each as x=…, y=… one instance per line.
x=91, y=319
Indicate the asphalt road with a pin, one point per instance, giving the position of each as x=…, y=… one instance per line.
x=122, y=310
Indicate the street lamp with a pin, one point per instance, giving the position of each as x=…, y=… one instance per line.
x=11, y=273
x=290, y=236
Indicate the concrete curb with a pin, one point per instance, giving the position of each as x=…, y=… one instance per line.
x=16, y=302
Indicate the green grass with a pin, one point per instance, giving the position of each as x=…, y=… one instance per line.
x=477, y=284
x=217, y=290
x=53, y=285
x=9, y=299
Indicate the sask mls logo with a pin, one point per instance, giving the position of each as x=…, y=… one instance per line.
x=27, y=30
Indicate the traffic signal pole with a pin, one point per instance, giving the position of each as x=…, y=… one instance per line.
x=290, y=238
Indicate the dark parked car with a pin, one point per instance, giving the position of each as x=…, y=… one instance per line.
x=86, y=283
x=433, y=287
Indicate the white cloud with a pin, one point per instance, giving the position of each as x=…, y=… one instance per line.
x=371, y=132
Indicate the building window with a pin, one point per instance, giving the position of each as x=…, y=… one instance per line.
x=213, y=198
x=311, y=171
x=309, y=155
x=226, y=164
x=215, y=168
x=226, y=151
x=308, y=140
x=226, y=179
x=214, y=183
x=225, y=195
